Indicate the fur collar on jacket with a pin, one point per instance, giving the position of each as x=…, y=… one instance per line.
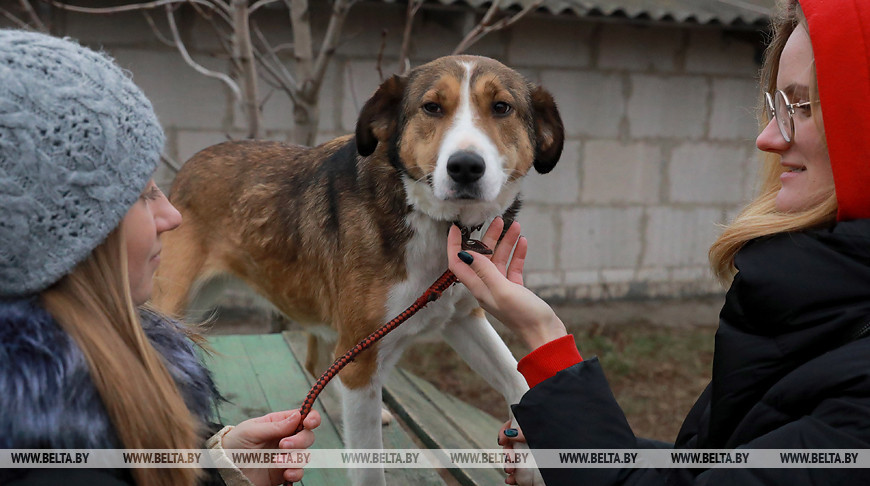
x=48, y=399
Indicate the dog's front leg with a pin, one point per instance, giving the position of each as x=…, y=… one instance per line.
x=482, y=348
x=361, y=416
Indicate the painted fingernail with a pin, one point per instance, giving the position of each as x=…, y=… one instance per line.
x=465, y=257
x=511, y=432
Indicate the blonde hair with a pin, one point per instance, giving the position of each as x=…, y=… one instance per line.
x=760, y=217
x=93, y=304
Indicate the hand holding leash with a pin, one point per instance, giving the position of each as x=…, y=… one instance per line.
x=498, y=284
x=272, y=431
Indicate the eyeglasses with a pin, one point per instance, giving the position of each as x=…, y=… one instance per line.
x=777, y=108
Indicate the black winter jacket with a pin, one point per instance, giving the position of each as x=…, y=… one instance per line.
x=791, y=370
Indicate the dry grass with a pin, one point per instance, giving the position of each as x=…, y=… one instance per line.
x=656, y=372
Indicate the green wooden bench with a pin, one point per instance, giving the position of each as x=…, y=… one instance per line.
x=262, y=373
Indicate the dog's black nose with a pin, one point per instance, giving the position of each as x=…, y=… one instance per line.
x=465, y=167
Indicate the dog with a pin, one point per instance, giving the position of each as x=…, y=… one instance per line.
x=351, y=232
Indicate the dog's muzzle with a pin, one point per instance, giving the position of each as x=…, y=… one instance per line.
x=465, y=169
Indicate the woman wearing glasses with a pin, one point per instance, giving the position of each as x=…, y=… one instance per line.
x=791, y=368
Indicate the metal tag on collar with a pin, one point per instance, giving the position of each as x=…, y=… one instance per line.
x=469, y=243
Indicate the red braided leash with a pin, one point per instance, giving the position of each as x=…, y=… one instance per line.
x=432, y=294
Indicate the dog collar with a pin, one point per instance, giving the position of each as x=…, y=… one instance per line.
x=469, y=243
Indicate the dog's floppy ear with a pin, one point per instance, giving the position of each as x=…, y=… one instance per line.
x=379, y=117
x=549, y=132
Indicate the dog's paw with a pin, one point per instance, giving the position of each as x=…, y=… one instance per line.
x=386, y=416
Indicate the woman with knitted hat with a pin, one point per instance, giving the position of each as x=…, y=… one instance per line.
x=83, y=365
x=791, y=367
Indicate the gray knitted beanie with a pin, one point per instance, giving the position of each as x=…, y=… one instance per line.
x=78, y=143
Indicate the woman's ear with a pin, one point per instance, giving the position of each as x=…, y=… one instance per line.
x=379, y=118
x=549, y=132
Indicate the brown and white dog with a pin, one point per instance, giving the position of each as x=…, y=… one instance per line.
x=351, y=232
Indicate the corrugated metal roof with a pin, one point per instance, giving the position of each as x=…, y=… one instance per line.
x=726, y=12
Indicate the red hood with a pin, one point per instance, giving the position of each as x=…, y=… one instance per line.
x=840, y=35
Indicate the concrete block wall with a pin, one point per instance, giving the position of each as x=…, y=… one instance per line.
x=661, y=125
x=659, y=122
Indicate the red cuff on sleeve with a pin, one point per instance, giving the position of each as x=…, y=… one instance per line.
x=549, y=359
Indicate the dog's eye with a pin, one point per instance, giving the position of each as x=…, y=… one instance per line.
x=433, y=108
x=501, y=108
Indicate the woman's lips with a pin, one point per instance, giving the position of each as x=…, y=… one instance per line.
x=792, y=171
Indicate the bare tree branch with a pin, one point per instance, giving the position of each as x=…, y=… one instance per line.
x=379, y=64
x=509, y=21
x=160, y=37
x=260, y=3
x=413, y=7
x=244, y=52
x=269, y=75
x=352, y=87
x=280, y=70
x=220, y=34
x=472, y=36
x=170, y=17
x=282, y=77
x=15, y=20
x=327, y=49
x=300, y=21
x=265, y=99
x=305, y=114
x=287, y=46
x=486, y=26
x=34, y=19
x=216, y=6
x=249, y=50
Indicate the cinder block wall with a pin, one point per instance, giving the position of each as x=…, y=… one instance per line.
x=660, y=125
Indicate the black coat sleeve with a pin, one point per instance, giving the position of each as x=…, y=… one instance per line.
x=575, y=409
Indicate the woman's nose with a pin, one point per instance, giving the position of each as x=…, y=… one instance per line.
x=770, y=139
x=169, y=217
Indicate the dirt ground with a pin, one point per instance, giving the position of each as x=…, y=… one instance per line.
x=657, y=356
